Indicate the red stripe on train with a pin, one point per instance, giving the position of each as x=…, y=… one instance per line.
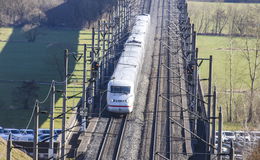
x=120, y=106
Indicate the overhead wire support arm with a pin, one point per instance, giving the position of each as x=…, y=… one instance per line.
x=174, y=72
x=169, y=48
x=188, y=92
x=161, y=156
x=176, y=122
x=184, y=109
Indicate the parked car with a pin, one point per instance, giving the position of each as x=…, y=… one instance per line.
x=3, y=135
x=242, y=136
x=46, y=138
x=27, y=131
x=43, y=131
x=255, y=135
x=27, y=135
x=57, y=131
x=225, y=148
x=16, y=135
x=229, y=135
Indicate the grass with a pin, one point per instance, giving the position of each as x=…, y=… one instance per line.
x=22, y=60
x=227, y=126
x=16, y=153
x=219, y=48
x=225, y=5
x=234, y=126
x=74, y=88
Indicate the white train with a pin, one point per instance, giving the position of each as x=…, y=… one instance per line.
x=122, y=87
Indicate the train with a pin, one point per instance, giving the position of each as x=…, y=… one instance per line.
x=122, y=87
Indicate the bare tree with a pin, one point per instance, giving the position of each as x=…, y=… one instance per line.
x=243, y=21
x=206, y=24
x=230, y=119
x=19, y=12
x=219, y=19
x=30, y=32
x=197, y=17
x=225, y=97
x=252, y=58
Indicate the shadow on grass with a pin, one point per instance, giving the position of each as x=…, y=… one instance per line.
x=41, y=61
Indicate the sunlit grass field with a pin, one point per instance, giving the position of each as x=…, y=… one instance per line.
x=16, y=153
x=22, y=60
x=221, y=48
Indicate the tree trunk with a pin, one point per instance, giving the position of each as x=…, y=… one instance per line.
x=251, y=117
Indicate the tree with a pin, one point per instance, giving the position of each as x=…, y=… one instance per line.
x=230, y=119
x=30, y=32
x=26, y=94
x=220, y=19
x=20, y=12
x=252, y=58
x=243, y=21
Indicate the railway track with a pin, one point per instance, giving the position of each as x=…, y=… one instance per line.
x=160, y=137
x=166, y=140
x=109, y=133
x=112, y=139
x=154, y=136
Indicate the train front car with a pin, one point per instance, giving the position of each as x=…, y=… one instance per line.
x=120, y=96
x=122, y=87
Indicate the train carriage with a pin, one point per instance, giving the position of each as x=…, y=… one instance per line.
x=122, y=87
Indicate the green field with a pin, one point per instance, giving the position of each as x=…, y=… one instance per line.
x=40, y=61
x=221, y=50
x=229, y=62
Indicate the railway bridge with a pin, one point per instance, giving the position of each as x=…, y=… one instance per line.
x=169, y=120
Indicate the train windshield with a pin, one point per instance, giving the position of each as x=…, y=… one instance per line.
x=120, y=89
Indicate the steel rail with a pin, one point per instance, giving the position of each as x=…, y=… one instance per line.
x=104, y=140
x=120, y=138
x=157, y=90
x=169, y=108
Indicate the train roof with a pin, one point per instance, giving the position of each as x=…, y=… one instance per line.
x=131, y=58
x=128, y=64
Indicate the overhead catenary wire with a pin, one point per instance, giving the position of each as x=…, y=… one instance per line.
x=29, y=122
x=48, y=94
x=39, y=102
x=45, y=99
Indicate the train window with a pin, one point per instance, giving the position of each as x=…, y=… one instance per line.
x=120, y=89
